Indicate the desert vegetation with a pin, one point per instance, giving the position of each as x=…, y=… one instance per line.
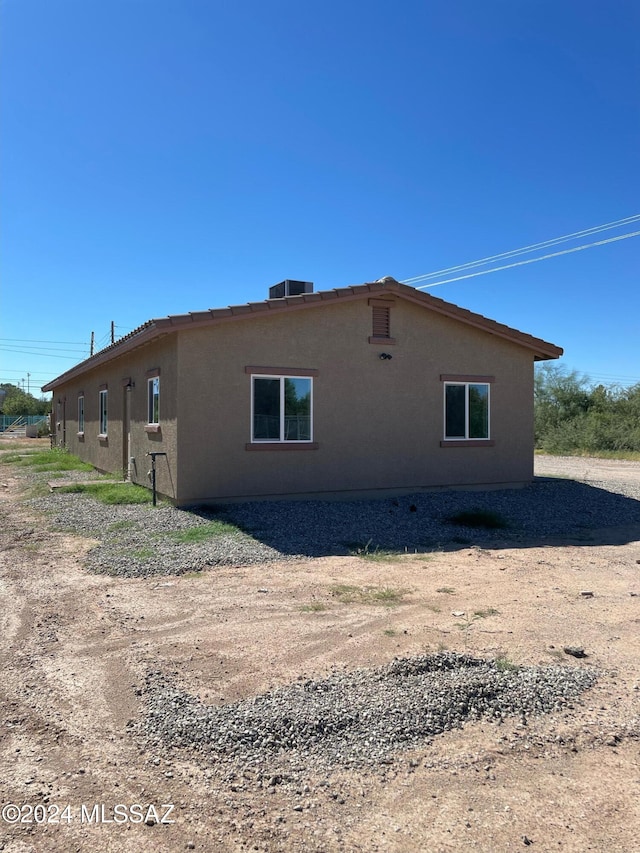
x=575, y=416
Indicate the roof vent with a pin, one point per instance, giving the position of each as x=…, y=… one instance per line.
x=289, y=287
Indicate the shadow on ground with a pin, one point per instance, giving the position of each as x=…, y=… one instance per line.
x=549, y=511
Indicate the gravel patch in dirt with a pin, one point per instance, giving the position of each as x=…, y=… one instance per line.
x=353, y=719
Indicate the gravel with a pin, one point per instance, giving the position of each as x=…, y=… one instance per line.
x=358, y=718
x=139, y=540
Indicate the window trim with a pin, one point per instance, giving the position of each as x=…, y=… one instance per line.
x=81, y=415
x=150, y=401
x=102, y=433
x=465, y=381
x=282, y=443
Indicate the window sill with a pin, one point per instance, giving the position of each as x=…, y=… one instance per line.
x=80, y=435
x=103, y=437
x=152, y=428
x=467, y=442
x=282, y=445
x=382, y=341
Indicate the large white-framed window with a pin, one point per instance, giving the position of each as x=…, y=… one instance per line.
x=466, y=411
x=153, y=401
x=103, y=410
x=281, y=408
x=81, y=414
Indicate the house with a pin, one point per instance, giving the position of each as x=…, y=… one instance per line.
x=359, y=391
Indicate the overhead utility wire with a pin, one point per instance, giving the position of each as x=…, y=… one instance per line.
x=37, y=354
x=35, y=341
x=526, y=249
x=531, y=260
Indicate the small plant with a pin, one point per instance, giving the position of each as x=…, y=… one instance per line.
x=389, y=632
x=110, y=492
x=143, y=554
x=482, y=614
x=374, y=553
x=388, y=596
x=448, y=590
x=203, y=532
x=478, y=518
x=120, y=525
x=503, y=664
x=314, y=607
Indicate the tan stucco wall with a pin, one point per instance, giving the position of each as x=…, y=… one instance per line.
x=109, y=454
x=378, y=424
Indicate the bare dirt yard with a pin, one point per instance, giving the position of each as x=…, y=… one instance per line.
x=76, y=648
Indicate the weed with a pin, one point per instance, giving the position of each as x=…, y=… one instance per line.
x=56, y=459
x=478, y=518
x=482, y=614
x=503, y=664
x=433, y=608
x=120, y=525
x=389, y=632
x=195, y=573
x=314, y=607
x=449, y=590
x=143, y=554
x=111, y=493
x=387, y=596
x=375, y=553
x=203, y=532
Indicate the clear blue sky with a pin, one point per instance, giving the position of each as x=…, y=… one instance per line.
x=166, y=156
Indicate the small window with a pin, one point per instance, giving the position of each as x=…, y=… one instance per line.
x=466, y=410
x=103, y=412
x=81, y=414
x=153, y=386
x=281, y=408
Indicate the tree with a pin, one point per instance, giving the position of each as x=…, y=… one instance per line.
x=17, y=403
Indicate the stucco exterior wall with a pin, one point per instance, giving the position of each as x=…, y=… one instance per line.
x=124, y=377
x=378, y=424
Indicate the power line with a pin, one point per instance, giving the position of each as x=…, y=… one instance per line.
x=33, y=341
x=531, y=260
x=526, y=249
x=36, y=354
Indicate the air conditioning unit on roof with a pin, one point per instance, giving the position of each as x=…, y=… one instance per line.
x=290, y=287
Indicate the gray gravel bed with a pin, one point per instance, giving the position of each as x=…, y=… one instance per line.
x=358, y=718
x=136, y=540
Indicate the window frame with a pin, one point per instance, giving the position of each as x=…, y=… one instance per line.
x=282, y=440
x=152, y=396
x=80, y=414
x=103, y=412
x=466, y=384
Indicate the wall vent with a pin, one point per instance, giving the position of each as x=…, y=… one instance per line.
x=290, y=287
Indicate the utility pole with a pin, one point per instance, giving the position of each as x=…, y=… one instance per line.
x=28, y=383
x=93, y=340
x=113, y=332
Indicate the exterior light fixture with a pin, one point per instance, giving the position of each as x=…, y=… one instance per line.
x=385, y=356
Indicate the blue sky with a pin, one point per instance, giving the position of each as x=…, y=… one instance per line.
x=166, y=156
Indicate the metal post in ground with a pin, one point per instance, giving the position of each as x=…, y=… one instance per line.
x=153, y=455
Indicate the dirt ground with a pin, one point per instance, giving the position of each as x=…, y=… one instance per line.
x=75, y=647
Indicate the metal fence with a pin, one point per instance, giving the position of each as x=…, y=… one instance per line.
x=11, y=423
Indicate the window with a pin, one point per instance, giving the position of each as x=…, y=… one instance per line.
x=81, y=414
x=466, y=410
x=281, y=408
x=153, y=412
x=103, y=412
